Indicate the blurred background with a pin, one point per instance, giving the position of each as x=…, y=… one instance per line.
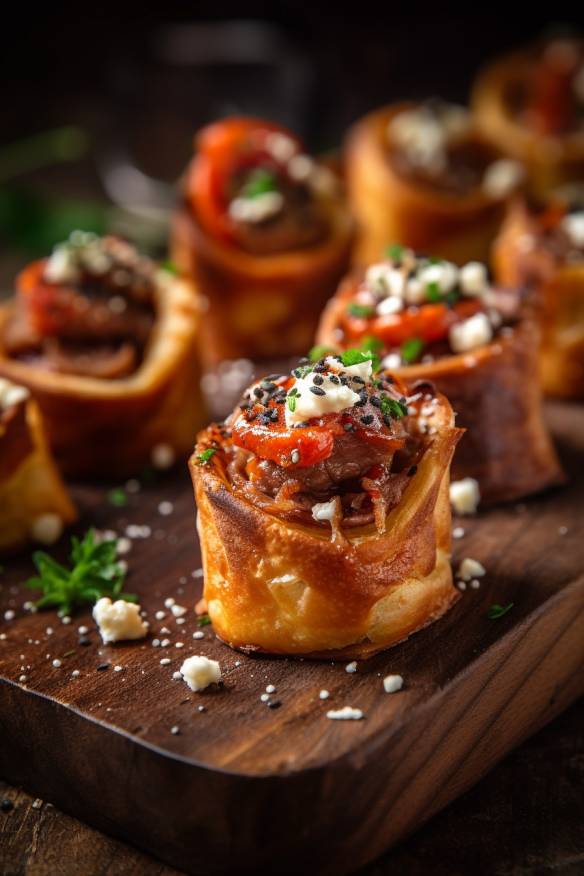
x=99, y=104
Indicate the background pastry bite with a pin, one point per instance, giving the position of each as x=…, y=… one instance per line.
x=423, y=175
x=323, y=509
x=106, y=342
x=530, y=105
x=436, y=322
x=263, y=228
x=541, y=249
x=34, y=503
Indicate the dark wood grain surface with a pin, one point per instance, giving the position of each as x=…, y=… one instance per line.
x=332, y=794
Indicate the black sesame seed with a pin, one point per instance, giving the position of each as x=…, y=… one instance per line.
x=274, y=704
x=387, y=421
x=318, y=380
x=375, y=401
x=357, y=379
x=6, y=805
x=368, y=418
x=84, y=641
x=320, y=367
x=412, y=470
x=258, y=392
x=268, y=385
x=344, y=381
x=334, y=379
x=317, y=390
x=103, y=666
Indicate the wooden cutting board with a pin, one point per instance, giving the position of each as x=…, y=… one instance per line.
x=247, y=788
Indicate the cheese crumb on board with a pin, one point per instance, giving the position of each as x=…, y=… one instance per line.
x=347, y=713
x=392, y=683
x=199, y=672
x=465, y=496
x=119, y=620
x=469, y=569
x=47, y=528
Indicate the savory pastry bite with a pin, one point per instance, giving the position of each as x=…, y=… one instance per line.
x=323, y=511
x=542, y=249
x=422, y=174
x=106, y=342
x=34, y=503
x=430, y=320
x=264, y=229
x=530, y=104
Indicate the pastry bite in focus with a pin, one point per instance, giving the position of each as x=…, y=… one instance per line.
x=106, y=342
x=542, y=250
x=323, y=511
x=423, y=175
x=430, y=320
x=530, y=104
x=34, y=503
x=265, y=231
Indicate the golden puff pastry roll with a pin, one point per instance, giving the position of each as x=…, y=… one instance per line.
x=323, y=511
x=424, y=176
x=530, y=104
x=542, y=250
x=34, y=503
x=264, y=230
x=107, y=344
x=429, y=320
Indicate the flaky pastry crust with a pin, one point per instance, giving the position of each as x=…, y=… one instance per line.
x=110, y=427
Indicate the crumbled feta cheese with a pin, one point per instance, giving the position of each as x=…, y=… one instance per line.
x=300, y=167
x=270, y=688
x=363, y=370
x=390, y=305
x=465, y=496
x=199, y=634
x=11, y=394
x=199, y=672
x=473, y=279
x=75, y=674
x=9, y=615
x=281, y=146
x=163, y=456
x=461, y=585
x=258, y=209
x=415, y=292
x=392, y=361
x=383, y=279
x=264, y=697
x=119, y=620
x=444, y=274
x=471, y=333
x=165, y=661
x=165, y=508
x=324, y=695
x=57, y=663
x=347, y=713
x=501, y=177
x=351, y=667
x=160, y=615
x=324, y=510
x=470, y=568
x=176, y=676
x=178, y=610
x=458, y=532
x=169, y=602
x=475, y=584
x=335, y=398
x=47, y=528
x=392, y=683
x=573, y=225
x=61, y=266
x=175, y=730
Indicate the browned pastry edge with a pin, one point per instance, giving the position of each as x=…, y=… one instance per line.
x=32, y=486
x=550, y=161
x=391, y=209
x=497, y=399
x=108, y=428
x=559, y=297
x=260, y=306
x=281, y=588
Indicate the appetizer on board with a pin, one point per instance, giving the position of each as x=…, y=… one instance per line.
x=542, y=250
x=323, y=511
x=423, y=175
x=530, y=104
x=34, y=503
x=265, y=231
x=106, y=342
x=429, y=320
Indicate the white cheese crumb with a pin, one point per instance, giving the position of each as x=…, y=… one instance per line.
x=56, y=663
x=119, y=620
x=351, y=667
x=473, y=279
x=475, y=584
x=415, y=291
x=199, y=672
x=470, y=333
x=160, y=615
x=22, y=678
x=124, y=545
x=163, y=456
x=458, y=532
x=175, y=730
x=165, y=643
x=300, y=167
x=165, y=509
x=82, y=630
x=9, y=615
x=324, y=510
x=461, y=585
x=470, y=568
x=36, y=804
x=444, y=274
x=180, y=620
x=178, y=610
x=11, y=394
x=264, y=697
x=501, y=177
x=75, y=673
x=256, y=209
x=169, y=602
x=61, y=266
x=179, y=645
x=324, y=695
x=176, y=676
x=270, y=688
x=390, y=305
x=392, y=361
x=118, y=668
x=465, y=496
x=66, y=620
x=573, y=225
x=337, y=397
x=199, y=635
x=347, y=713
x=165, y=661
x=47, y=528
x=392, y=683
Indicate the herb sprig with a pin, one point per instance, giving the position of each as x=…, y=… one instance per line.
x=95, y=572
x=206, y=455
x=391, y=407
x=496, y=611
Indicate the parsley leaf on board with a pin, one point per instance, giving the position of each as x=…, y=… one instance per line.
x=496, y=611
x=95, y=572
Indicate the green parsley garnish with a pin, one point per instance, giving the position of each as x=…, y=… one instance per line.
x=291, y=399
x=169, y=266
x=411, y=349
x=259, y=182
x=95, y=573
x=204, y=457
x=117, y=497
x=361, y=310
x=394, y=252
x=495, y=611
x=391, y=407
x=433, y=292
x=319, y=352
x=356, y=357
x=203, y=620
